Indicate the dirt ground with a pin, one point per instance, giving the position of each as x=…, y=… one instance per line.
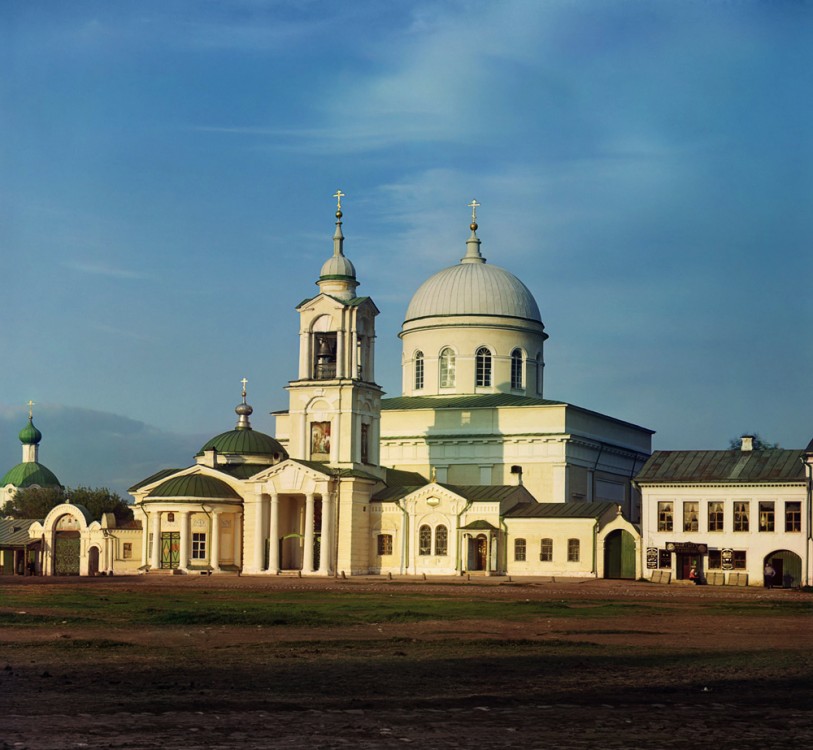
x=686, y=666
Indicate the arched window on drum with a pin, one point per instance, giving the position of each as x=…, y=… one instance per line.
x=516, y=370
x=483, y=367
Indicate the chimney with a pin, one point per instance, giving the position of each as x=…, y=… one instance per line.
x=517, y=471
x=747, y=443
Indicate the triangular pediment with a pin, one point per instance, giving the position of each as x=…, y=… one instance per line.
x=294, y=476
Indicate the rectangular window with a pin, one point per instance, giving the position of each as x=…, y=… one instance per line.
x=739, y=559
x=716, y=516
x=690, y=516
x=198, y=546
x=385, y=544
x=664, y=558
x=766, y=516
x=665, y=516
x=519, y=550
x=127, y=550
x=546, y=550
x=365, y=443
x=715, y=559
x=573, y=550
x=793, y=516
x=741, y=513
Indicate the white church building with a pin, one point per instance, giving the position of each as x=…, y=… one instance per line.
x=471, y=470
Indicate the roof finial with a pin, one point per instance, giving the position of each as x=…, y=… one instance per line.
x=338, y=237
x=474, y=205
x=338, y=195
x=243, y=411
x=473, y=254
x=30, y=409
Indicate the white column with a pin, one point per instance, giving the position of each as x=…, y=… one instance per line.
x=214, y=547
x=307, y=553
x=184, y=522
x=327, y=535
x=304, y=351
x=273, y=535
x=370, y=377
x=155, y=525
x=354, y=356
x=145, y=537
x=258, y=556
x=341, y=354
x=237, y=531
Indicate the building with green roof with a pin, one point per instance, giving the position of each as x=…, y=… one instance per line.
x=29, y=472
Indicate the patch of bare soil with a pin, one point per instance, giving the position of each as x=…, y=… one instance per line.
x=685, y=672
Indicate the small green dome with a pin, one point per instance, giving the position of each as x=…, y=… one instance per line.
x=29, y=474
x=30, y=435
x=246, y=443
x=195, y=485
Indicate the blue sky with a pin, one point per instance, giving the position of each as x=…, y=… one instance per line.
x=166, y=172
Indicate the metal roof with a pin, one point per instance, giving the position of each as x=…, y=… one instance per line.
x=245, y=442
x=195, y=485
x=153, y=478
x=730, y=467
x=561, y=510
x=28, y=474
x=14, y=531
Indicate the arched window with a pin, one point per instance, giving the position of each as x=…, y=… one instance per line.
x=483, y=367
x=519, y=550
x=516, y=369
x=418, y=371
x=447, y=366
x=424, y=540
x=546, y=550
x=441, y=540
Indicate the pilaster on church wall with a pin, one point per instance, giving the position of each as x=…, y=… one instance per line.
x=352, y=553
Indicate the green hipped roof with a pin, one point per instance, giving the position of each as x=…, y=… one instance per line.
x=731, y=466
x=28, y=474
x=195, y=485
x=245, y=442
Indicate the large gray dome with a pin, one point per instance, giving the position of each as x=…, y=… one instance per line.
x=473, y=289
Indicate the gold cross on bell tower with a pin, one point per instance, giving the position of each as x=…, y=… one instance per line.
x=30, y=409
x=474, y=205
x=338, y=195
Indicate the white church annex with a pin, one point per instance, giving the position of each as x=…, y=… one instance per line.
x=470, y=470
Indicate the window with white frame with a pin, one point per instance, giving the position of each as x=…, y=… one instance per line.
x=520, y=550
x=716, y=515
x=742, y=510
x=665, y=511
x=425, y=540
x=691, y=511
x=483, y=367
x=767, y=520
x=546, y=550
x=573, y=550
x=516, y=369
x=447, y=368
x=441, y=540
x=198, y=546
x=418, y=371
x=793, y=516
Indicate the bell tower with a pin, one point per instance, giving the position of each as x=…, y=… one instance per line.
x=335, y=404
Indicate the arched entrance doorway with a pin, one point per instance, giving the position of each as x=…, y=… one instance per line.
x=619, y=555
x=66, y=553
x=93, y=561
x=787, y=567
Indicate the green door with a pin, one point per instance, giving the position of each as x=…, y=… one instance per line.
x=170, y=549
x=66, y=553
x=619, y=555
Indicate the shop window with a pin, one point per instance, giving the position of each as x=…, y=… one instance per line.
x=664, y=558
x=715, y=561
x=441, y=540
x=741, y=513
x=546, y=550
x=519, y=550
x=767, y=521
x=573, y=550
x=127, y=551
x=690, y=514
x=385, y=544
x=418, y=371
x=198, y=546
x=665, y=516
x=447, y=368
x=516, y=369
x=483, y=367
x=425, y=540
x=739, y=559
x=716, y=516
x=793, y=516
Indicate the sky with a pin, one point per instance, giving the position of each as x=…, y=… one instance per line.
x=166, y=179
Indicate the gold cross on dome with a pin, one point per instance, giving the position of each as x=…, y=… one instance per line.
x=30, y=409
x=474, y=205
x=244, y=381
x=338, y=195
